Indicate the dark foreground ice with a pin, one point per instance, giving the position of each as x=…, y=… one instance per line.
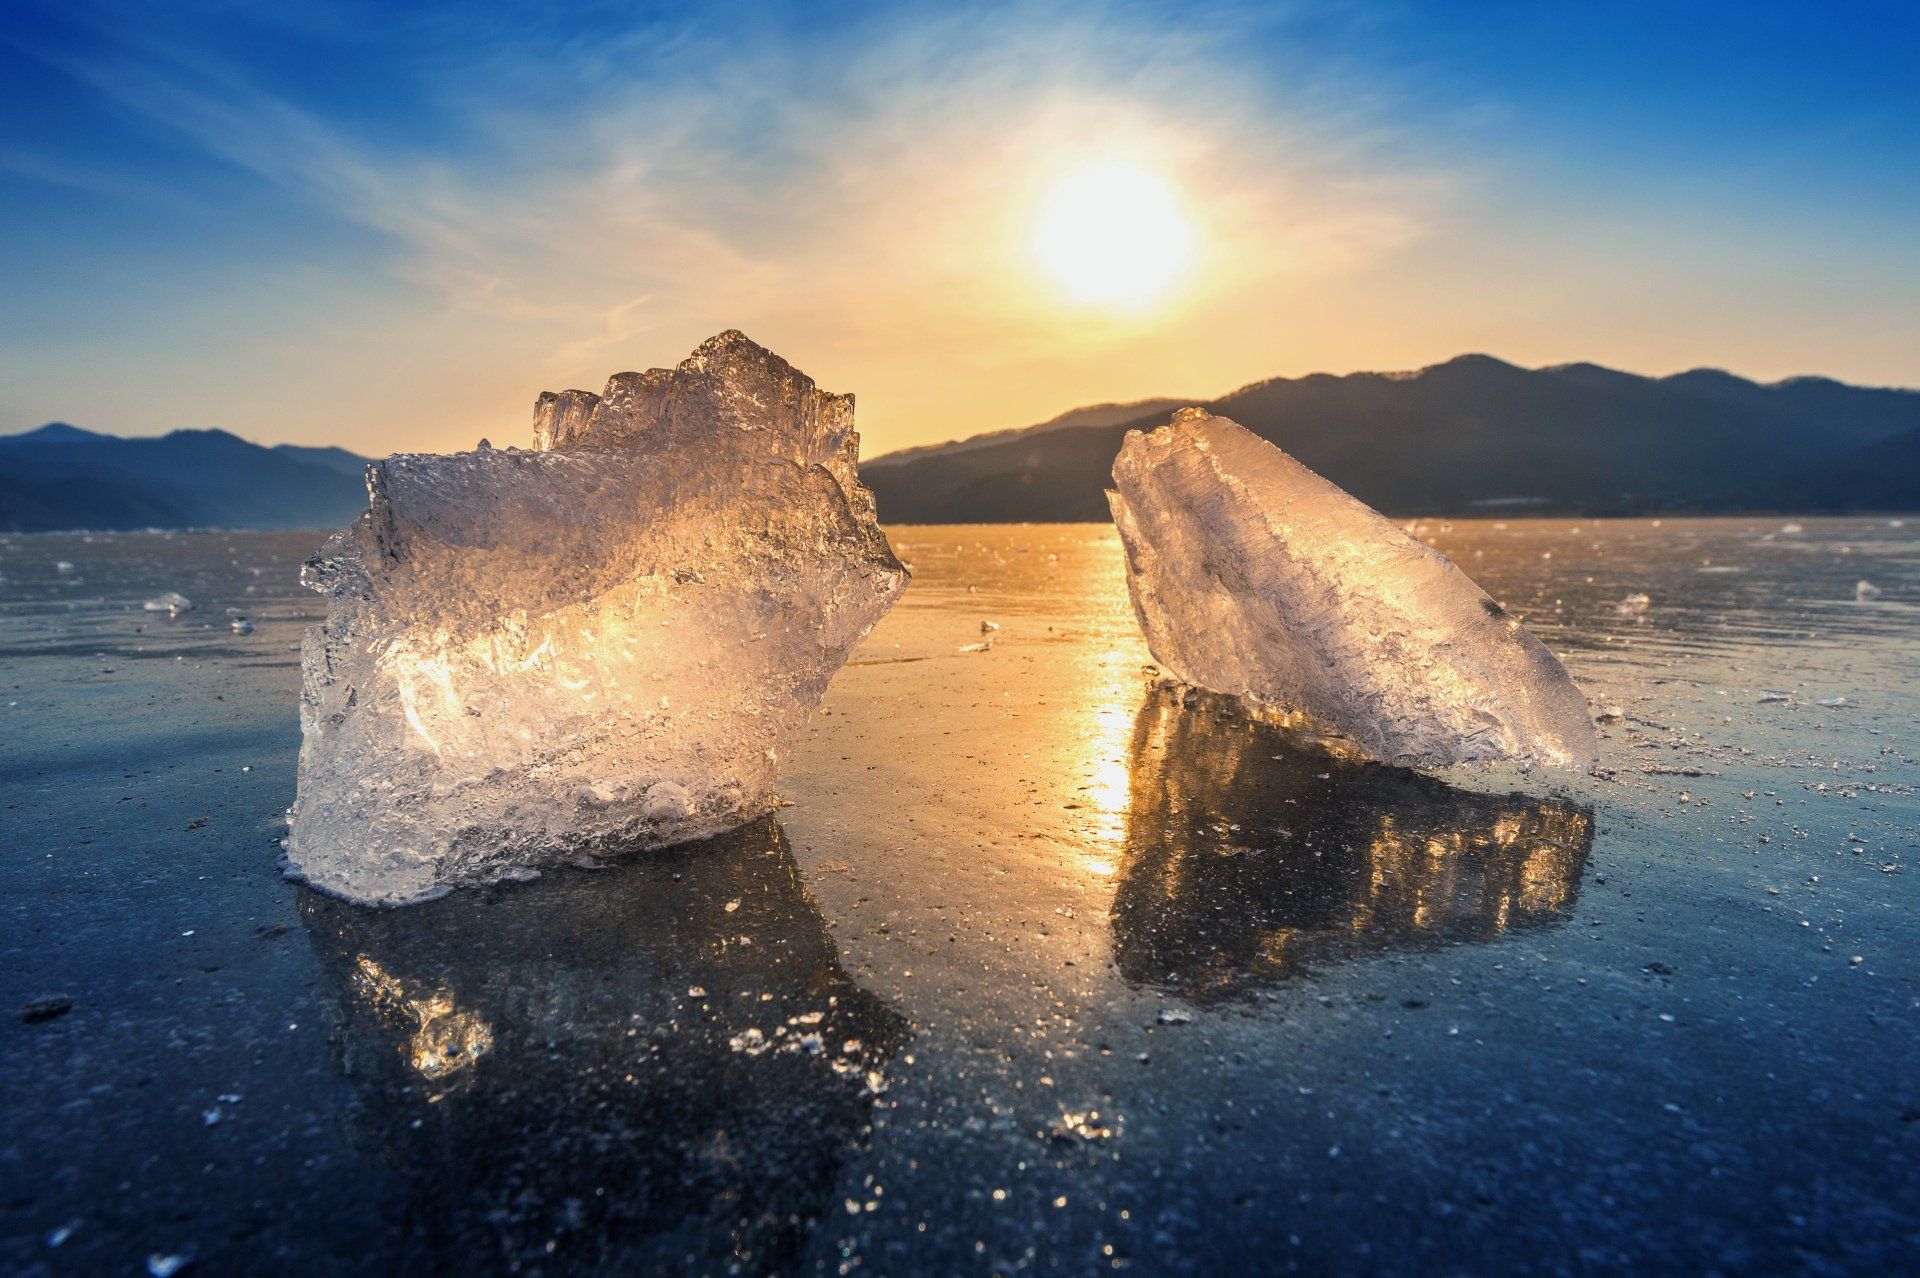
x=1045, y=969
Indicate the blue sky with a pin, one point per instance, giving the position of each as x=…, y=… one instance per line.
x=389, y=226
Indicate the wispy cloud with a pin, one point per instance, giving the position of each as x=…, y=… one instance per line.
x=873, y=190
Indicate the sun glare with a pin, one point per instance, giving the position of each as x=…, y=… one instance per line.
x=1112, y=235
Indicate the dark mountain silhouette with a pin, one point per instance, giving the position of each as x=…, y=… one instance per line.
x=1472, y=435
x=48, y=505
x=335, y=459
x=1883, y=475
x=60, y=477
x=1092, y=415
x=57, y=433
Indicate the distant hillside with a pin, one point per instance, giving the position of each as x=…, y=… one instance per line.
x=61, y=477
x=56, y=433
x=1472, y=435
x=335, y=459
x=1092, y=415
x=1884, y=475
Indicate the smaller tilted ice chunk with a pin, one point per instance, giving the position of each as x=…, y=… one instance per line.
x=1252, y=575
x=605, y=644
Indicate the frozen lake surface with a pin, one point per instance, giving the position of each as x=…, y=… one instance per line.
x=1039, y=971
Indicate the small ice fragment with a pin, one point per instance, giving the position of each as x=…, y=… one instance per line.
x=1791, y=529
x=1633, y=605
x=1174, y=1016
x=1766, y=697
x=45, y=1008
x=985, y=645
x=172, y=603
x=63, y=566
x=1830, y=702
x=241, y=626
x=1251, y=575
x=988, y=627
x=502, y=625
x=1864, y=590
x=162, y=1265
x=1610, y=714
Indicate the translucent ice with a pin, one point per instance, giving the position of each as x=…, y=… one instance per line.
x=531, y=657
x=172, y=602
x=1252, y=575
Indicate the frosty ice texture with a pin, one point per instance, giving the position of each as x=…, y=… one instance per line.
x=531, y=657
x=1252, y=575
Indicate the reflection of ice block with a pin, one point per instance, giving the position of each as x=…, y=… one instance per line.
x=1318, y=860
x=1254, y=576
x=661, y=1068
x=529, y=656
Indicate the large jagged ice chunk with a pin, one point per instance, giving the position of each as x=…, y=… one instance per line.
x=531, y=657
x=1252, y=575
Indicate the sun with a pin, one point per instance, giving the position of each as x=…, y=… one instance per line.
x=1112, y=235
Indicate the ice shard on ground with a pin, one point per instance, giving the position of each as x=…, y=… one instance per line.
x=612, y=640
x=1252, y=575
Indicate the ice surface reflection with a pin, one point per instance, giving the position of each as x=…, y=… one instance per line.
x=658, y=1067
x=1249, y=859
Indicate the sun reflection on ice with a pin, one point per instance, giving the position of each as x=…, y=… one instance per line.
x=444, y=1040
x=1107, y=793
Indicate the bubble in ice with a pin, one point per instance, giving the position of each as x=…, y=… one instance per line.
x=1252, y=575
x=610, y=641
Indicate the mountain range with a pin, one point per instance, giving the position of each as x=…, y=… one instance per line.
x=62, y=477
x=1475, y=435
